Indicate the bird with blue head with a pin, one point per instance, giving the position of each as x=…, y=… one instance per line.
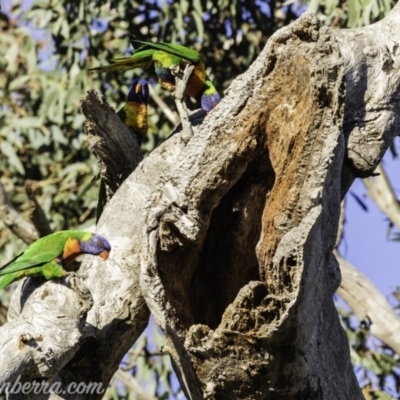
x=49, y=255
x=160, y=60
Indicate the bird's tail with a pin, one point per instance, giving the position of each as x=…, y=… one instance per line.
x=6, y=280
x=102, y=201
x=140, y=59
x=118, y=64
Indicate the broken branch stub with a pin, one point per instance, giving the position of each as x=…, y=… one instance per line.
x=113, y=143
x=372, y=107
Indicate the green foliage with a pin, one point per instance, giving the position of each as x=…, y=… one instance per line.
x=41, y=136
x=376, y=365
x=350, y=13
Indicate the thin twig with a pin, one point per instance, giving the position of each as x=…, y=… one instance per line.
x=129, y=381
x=171, y=116
x=342, y=220
x=381, y=192
x=180, y=84
x=366, y=300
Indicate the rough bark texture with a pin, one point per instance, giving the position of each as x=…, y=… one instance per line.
x=227, y=238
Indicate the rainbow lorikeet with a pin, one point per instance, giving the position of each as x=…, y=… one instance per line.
x=134, y=113
x=47, y=256
x=158, y=60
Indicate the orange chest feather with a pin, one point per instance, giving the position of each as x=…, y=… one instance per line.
x=71, y=251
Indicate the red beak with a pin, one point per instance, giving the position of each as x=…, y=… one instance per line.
x=104, y=254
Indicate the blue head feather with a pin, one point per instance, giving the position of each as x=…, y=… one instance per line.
x=209, y=101
x=139, y=92
x=95, y=245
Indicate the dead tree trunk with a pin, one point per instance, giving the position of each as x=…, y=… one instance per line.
x=227, y=239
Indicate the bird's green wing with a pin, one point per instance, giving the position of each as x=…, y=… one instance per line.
x=175, y=49
x=38, y=253
x=23, y=265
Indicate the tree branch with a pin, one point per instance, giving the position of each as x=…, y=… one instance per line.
x=371, y=116
x=171, y=116
x=14, y=220
x=181, y=83
x=281, y=140
x=107, y=301
x=381, y=192
x=367, y=301
x=114, y=145
x=356, y=289
x=37, y=215
x=130, y=382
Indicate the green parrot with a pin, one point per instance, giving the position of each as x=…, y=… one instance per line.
x=134, y=115
x=158, y=58
x=49, y=255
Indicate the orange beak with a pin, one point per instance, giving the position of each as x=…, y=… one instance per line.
x=138, y=88
x=104, y=254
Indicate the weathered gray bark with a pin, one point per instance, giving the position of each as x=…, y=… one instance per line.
x=227, y=238
x=371, y=117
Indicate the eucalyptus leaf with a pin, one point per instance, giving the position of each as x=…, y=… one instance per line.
x=27, y=122
x=19, y=82
x=13, y=159
x=11, y=57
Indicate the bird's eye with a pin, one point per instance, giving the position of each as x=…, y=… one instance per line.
x=100, y=244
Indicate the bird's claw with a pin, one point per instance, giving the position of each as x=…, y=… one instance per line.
x=81, y=291
x=175, y=70
x=71, y=275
